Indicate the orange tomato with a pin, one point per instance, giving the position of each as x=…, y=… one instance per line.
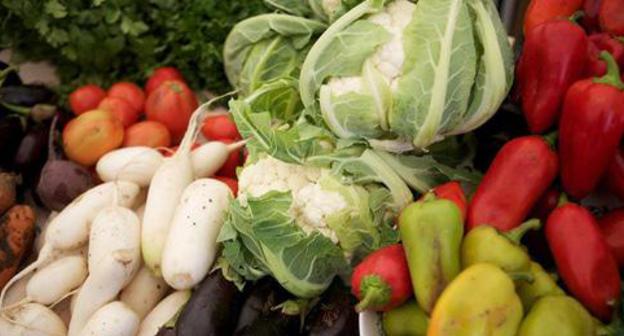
x=147, y=133
x=90, y=135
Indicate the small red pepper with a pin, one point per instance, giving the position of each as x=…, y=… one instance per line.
x=612, y=226
x=553, y=58
x=521, y=172
x=584, y=260
x=590, y=129
x=382, y=280
x=611, y=17
x=597, y=44
x=546, y=204
x=590, y=15
x=453, y=192
x=540, y=11
x=614, y=177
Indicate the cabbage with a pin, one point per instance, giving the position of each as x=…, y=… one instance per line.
x=325, y=10
x=403, y=76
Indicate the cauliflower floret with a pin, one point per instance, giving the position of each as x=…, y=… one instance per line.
x=343, y=85
x=312, y=205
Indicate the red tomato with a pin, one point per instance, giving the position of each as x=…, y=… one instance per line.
x=86, y=98
x=147, y=133
x=220, y=127
x=161, y=75
x=172, y=104
x=233, y=161
x=232, y=183
x=130, y=92
x=120, y=109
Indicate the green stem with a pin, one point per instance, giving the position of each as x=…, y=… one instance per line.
x=522, y=276
x=563, y=200
x=516, y=234
x=25, y=111
x=376, y=293
x=551, y=139
x=612, y=77
x=429, y=196
x=576, y=16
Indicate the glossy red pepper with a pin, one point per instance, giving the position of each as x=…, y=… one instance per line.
x=553, y=58
x=603, y=42
x=612, y=226
x=521, y=172
x=611, y=17
x=453, y=192
x=540, y=11
x=590, y=130
x=584, y=260
x=614, y=177
x=590, y=15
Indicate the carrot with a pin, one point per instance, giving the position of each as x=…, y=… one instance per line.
x=17, y=229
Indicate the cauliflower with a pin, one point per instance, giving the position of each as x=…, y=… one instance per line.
x=311, y=203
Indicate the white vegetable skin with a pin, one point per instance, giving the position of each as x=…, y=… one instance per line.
x=53, y=282
x=117, y=263
x=69, y=230
x=208, y=158
x=33, y=319
x=133, y=164
x=163, y=312
x=192, y=242
x=113, y=319
x=144, y=292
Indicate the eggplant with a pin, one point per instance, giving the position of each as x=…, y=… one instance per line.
x=26, y=95
x=274, y=323
x=212, y=309
x=10, y=78
x=166, y=331
x=265, y=294
x=11, y=134
x=32, y=153
x=334, y=315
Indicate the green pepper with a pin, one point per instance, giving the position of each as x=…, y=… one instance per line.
x=543, y=285
x=480, y=301
x=431, y=230
x=485, y=243
x=407, y=320
x=557, y=315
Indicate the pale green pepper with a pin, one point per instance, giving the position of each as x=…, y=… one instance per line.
x=543, y=284
x=557, y=315
x=407, y=320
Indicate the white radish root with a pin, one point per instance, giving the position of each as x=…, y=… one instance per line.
x=163, y=312
x=33, y=319
x=133, y=164
x=144, y=292
x=55, y=281
x=113, y=319
x=208, y=158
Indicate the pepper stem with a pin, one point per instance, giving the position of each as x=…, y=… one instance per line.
x=551, y=139
x=375, y=292
x=522, y=276
x=612, y=77
x=563, y=200
x=576, y=16
x=429, y=196
x=516, y=234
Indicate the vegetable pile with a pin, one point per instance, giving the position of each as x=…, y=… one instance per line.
x=359, y=167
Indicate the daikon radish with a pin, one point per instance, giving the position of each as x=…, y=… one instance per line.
x=33, y=319
x=113, y=319
x=192, y=242
x=70, y=228
x=163, y=312
x=140, y=211
x=117, y=262
x=164, y=194
x=208, y=158
x=17, y=292
x=133, y=164
x=53, y=282
x=144, y=292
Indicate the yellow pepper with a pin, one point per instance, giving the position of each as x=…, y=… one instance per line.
x=406, y=320
x=543, y=284
x=480, y=301
x=557, y=315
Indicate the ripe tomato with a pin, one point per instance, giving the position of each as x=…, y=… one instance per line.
x=90, y=135
x=161, y=75
x=172, y=104
x=86, y=98
x=232, y=183
x=147, y=133
x=120, y=109
x=233, y=161
x=220, y=127
x=130, y=92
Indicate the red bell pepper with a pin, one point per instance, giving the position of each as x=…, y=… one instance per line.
x=540, y=11
x=597, y=44
x=612, y=226
x=521, y=172
x=453, y=192
x=553, y=58
x=611, y=17
x=590, y=130
x=590, y=15
x=614, y=177
x=382, y=280
x=584, y=260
